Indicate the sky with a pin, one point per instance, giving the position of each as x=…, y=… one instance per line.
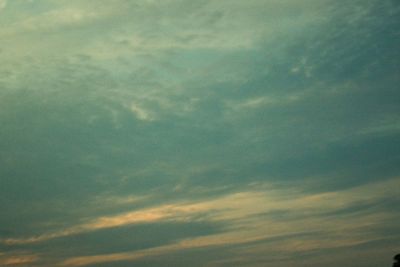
x=202, y=133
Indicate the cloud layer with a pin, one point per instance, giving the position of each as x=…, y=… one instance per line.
x=199, y=133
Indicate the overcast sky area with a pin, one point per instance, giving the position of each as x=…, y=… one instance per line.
x=199, y=133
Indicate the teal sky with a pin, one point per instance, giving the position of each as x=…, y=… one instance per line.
x=199, y=133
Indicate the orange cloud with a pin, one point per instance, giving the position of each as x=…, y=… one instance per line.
x=15, y=260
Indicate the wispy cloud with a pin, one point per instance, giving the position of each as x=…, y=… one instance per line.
x=252, y=216
x=257, y=126
x=20, y=259
x=335, y=219
x=3, y=4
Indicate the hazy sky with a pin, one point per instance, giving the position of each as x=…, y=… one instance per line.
x=199, y=133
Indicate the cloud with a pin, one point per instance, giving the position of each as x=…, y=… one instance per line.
x=150, y=215
x=3, y=4
x=140, y=113
x=271, y=122
x=266, y=213
x=12, y=259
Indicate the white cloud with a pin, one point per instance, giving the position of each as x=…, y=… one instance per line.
x=141, y=113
